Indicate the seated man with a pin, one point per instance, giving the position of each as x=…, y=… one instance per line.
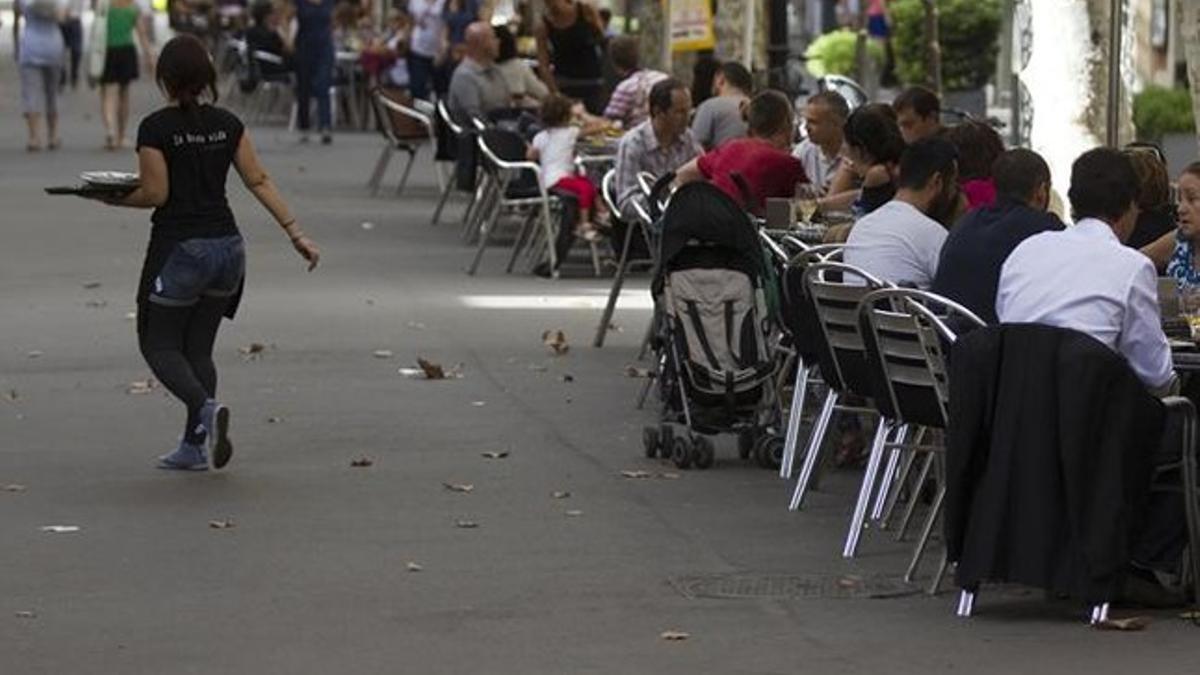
x=629, y=102
x=477, y=86
x=975, y=250
x=919, y=114
x=899, y=242
x=767, y=168
x=720, y=118
x=1084, y=279
x=658, y=146
x=825, y=117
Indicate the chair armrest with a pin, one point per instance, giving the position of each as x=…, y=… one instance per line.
x=508, y=164
x=268, y=57
x=402, y=109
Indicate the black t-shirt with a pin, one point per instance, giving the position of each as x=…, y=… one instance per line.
x=199, y=146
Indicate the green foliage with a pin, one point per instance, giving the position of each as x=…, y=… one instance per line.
x=834, y=53
x=1158, y=111
x=968, y=30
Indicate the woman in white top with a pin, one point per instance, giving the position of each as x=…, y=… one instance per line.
x=554, y=149
x=39, y=51
x=427, y=44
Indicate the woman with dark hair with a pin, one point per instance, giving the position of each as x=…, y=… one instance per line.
x=570, y=39
x=526, y=89
x=979, y=146
x=195, y=263
x=872, y=149
x=1156, y=214
x=763, y=160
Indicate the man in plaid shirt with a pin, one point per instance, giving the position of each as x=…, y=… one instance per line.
x=659, y=145
x=629, y=103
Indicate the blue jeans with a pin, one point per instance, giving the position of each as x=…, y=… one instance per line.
x=200, y=268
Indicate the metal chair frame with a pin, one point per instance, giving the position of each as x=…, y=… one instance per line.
x=393, y=142
x=641, y=225
x=456, y=130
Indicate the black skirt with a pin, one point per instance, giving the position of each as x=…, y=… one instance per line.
x=120, y=65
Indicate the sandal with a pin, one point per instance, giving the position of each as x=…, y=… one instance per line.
x=33, y=147
x=54, y=144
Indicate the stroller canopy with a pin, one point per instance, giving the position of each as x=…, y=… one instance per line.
x=703, y=227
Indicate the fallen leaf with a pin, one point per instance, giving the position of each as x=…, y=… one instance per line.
x=13, y=487
x=1190, y=616
x=302, y=169
x=370, y=302
x=556, y=341
x=130, y=316
x=415, y=325
x=412, y=373
x=382, y=353
x=414, y=567
x=91, y=285
x=274, y=420
x=253, y=350
x=560, y=494
x=220, y=524
x=492, y=454
x=33, y=354
x=634, y=371
x=538, y=368
x=466, y=524
x=669, y=475
x=139, y=387
x=96, y=304
x=12, y=395
x=26, y=614
x=614, y=327
x=635, y=474
x=60, y=529
x=1129, y=624
x=368, y=225
x=433, y=371
x=361, y=462
x=567, y=377
x=849, y=582
x=459, y=487
x=674, y=635
x=573, y=513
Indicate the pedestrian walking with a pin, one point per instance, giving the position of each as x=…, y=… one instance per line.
x=427, y=47
x=314, y=66
x=38, y=47
x=122, y=25
x=194, y=267
x=72, y=32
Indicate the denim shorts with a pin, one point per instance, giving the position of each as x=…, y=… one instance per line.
x=200, y=268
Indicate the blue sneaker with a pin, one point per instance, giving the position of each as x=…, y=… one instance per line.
x=187, y=457
x=214, y=417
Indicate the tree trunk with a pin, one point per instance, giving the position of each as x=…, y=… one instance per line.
x=933, y=46
x=1190, y=30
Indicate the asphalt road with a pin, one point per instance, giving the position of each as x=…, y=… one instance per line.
x=315, y=575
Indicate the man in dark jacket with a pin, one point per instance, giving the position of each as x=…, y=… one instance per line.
x=969, y=268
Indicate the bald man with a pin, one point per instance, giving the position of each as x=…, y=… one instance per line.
x=477, y=86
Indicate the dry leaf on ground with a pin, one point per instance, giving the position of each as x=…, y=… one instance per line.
x=12, y=395
x=560, y=494
x=60, y=529
x=415, y=325
x=368, y=225
x=478, y=404
x=556, y=341
x=274, y=420
x=130, y=316
x=674, y=635
x=669, y=475
x=361, y=462
x=538, y=368
x=220, y=524
x=26, y=614
x=382, y=353
x=91, y=285
x=573, y=513
x=1190, y=616
x=492, y=454
x=459, y=487
x=634, y=371
x=433, y=371
x=96, y=304
x=252, y=350
x=849, y=582
x=13, y=487
x=140, y=387
x=567, y=377
x=414, y=567
x=615, y=327
x=34, y=353
x=466, y=524
x=635, y=474
x=1133, y=623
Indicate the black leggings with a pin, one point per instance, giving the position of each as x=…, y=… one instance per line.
x=177, y=343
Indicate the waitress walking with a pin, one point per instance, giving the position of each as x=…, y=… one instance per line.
x=314, y=65
x=192, y=276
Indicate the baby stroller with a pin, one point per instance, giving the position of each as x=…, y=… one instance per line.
x=713, y=338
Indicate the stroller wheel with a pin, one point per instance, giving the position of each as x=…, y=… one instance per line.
x=651, y=442
x=703, y=453
x=681, y=452
x=746, y=441
x=769, y=452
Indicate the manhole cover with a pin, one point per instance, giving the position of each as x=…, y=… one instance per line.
x=792, y=586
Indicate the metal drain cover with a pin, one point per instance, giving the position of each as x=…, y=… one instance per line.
x=792, y=586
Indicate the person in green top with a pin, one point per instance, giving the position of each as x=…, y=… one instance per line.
x=121, y=67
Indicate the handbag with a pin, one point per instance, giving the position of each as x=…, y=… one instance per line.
x=97, y=46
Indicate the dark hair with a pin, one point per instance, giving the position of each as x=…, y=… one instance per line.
x=605, y=14
x=978, y=148
x=624, y=53
x=1153, y=184
x=508, y=44
x=924, y=159
x=556, y=110
x=920, y=100
x=1103, y=185
x=872, y=129
x=834, y=101
x=703, y=73
x=1193, y=169
x=261, y=10
x=737, y=75
x=660, y=94
x=768, y=113
x=185, y=70
x=1019, y=172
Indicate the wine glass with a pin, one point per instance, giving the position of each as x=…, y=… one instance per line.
x=806, y=208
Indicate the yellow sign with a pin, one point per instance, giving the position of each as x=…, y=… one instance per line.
x=691, y=25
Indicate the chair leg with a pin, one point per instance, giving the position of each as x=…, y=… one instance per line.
x=816, y=439
x=385, y=158
x=889, y=473
x=895, y=494
x=550, y=239
x=613, y=294
x=479, y=207
x=437, y=212
x=911, y=507
x=1099, y=613
x=858, y=520
x=799, y=392
x=522, y=236
x=936, y=583
x=642, y=350
x=935, y=511
x=412, y=157
x=966, y=603
x=485, y=234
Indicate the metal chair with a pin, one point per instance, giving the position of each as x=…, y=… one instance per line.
x=503, y=154
x=393, y=141
x=456, y=130
x=641, y=225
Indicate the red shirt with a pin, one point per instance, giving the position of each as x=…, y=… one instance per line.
x=768, y=171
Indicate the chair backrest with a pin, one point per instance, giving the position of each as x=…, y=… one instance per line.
x=834, y=291
x=939, y=324
x=444, y=113
x=905, y=352
x=797, y=313
x=399, y=122
x=608, y=192
x=506, y=145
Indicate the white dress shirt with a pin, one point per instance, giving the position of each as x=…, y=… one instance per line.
x=896, y=243
x=819, y=167
x=1084, y=279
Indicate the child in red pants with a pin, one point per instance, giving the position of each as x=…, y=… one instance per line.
x=554, y=149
